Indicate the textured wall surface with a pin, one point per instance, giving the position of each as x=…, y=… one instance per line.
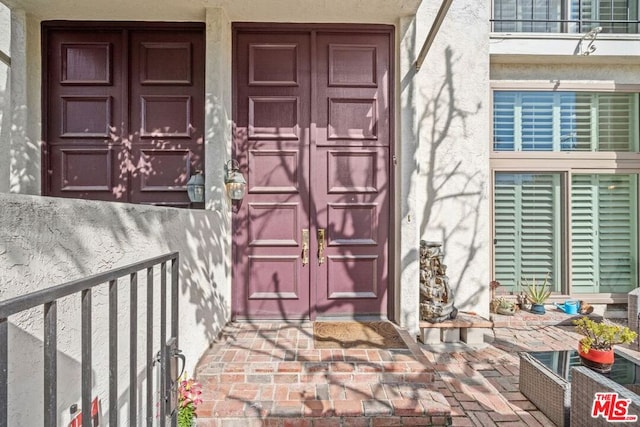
x=48, y=241
x=585, y=73
x=444, y=152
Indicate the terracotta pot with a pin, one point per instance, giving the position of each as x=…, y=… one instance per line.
x=598, y=360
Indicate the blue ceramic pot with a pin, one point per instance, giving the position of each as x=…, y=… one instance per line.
x=537, y=309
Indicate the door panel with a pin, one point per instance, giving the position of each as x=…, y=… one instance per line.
x=351, y=183
x=313, y=137
x=124, y=112
x=271, y=144
x=84, y=133
x=167, y=114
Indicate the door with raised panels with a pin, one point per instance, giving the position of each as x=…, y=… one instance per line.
x=312, y=134
x=124, y=110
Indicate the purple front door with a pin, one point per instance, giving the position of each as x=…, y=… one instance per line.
x=312, y=135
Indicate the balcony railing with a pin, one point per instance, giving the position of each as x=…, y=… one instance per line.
x=48, y=298
x=564, y=26
x=565, y=16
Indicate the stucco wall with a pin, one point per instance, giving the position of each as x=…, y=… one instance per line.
x=444, y=152
x=586, y=73
x=48, y=241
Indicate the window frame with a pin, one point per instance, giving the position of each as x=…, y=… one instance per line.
x=566, y=163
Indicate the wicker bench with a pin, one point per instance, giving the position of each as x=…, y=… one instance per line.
x=586, y=383
x=550, y=393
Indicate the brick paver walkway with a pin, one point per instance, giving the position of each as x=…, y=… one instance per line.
x=267, y=374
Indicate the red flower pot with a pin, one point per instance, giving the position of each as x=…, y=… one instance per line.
x=598, y=360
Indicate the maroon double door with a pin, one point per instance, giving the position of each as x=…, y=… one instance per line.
x=312, y=114
x=124, y=110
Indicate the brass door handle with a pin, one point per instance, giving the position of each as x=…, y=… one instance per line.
x=305, y=246
x=321, y=245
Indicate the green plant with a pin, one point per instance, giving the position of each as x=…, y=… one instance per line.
x=537, y=293
x=189, y=392
x=602, y=336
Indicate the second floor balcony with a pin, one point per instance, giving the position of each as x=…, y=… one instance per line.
x=565, y=16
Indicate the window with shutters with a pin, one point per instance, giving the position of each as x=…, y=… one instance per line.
x=527, y=228
x=565, y=190
x=565, y=16
x=565, y=121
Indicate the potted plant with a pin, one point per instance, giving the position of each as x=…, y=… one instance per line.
x=537, y=294
x=596, y=348
x=189, y=392
x=504, y=307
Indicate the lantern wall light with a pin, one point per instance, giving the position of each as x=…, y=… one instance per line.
x=234, y=180
x=195, y=187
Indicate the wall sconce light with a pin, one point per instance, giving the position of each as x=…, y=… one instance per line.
x=195, y=187
x=234, y=181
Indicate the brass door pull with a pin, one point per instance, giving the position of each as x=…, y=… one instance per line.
x=305, y=246
x=321, y=245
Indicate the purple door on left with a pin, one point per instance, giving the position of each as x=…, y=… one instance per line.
x=124, y=111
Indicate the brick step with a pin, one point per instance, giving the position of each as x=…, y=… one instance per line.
x=303, y=401
x=329, y=421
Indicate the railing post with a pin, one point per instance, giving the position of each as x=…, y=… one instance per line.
x=163, y=338
x=175, y=266
x=133, y=350
x=86, y=358
x=4, y=344
x=113, y=352
x=149, y=338
x=50, y=364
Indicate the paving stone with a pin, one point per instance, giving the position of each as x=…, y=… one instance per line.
x=287, y=382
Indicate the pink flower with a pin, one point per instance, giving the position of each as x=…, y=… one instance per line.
x=189, y=392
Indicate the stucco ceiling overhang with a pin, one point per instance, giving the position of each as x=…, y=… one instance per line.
x=370, y=11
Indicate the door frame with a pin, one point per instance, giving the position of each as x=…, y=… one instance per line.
x=268, y=27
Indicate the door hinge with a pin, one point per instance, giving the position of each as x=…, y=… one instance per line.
x=395, y=159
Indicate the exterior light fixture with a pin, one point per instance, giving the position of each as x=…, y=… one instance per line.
x=195, y=187
x=234, y=181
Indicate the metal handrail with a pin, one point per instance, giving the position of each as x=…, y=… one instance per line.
x=582, y=24
x=48, y=299
x=570, y=21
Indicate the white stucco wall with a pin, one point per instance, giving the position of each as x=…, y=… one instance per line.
x=445, y=151
x=5, y=49
x=48, y=241
x=584, y=73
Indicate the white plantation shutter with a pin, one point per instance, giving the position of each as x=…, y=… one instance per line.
x=604, y=229
x=615, y=124
x=504, y=121
x=527, y=228
x=596, y=12
x=584, y=226
x=507, y=196
x=617, y=244
x=565, y=121
x=505, y=10
x=575, y=121
x=537, y=121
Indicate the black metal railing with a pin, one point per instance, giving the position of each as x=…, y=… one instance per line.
x=564, y=25
x=48, y=298
x=560, y=16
